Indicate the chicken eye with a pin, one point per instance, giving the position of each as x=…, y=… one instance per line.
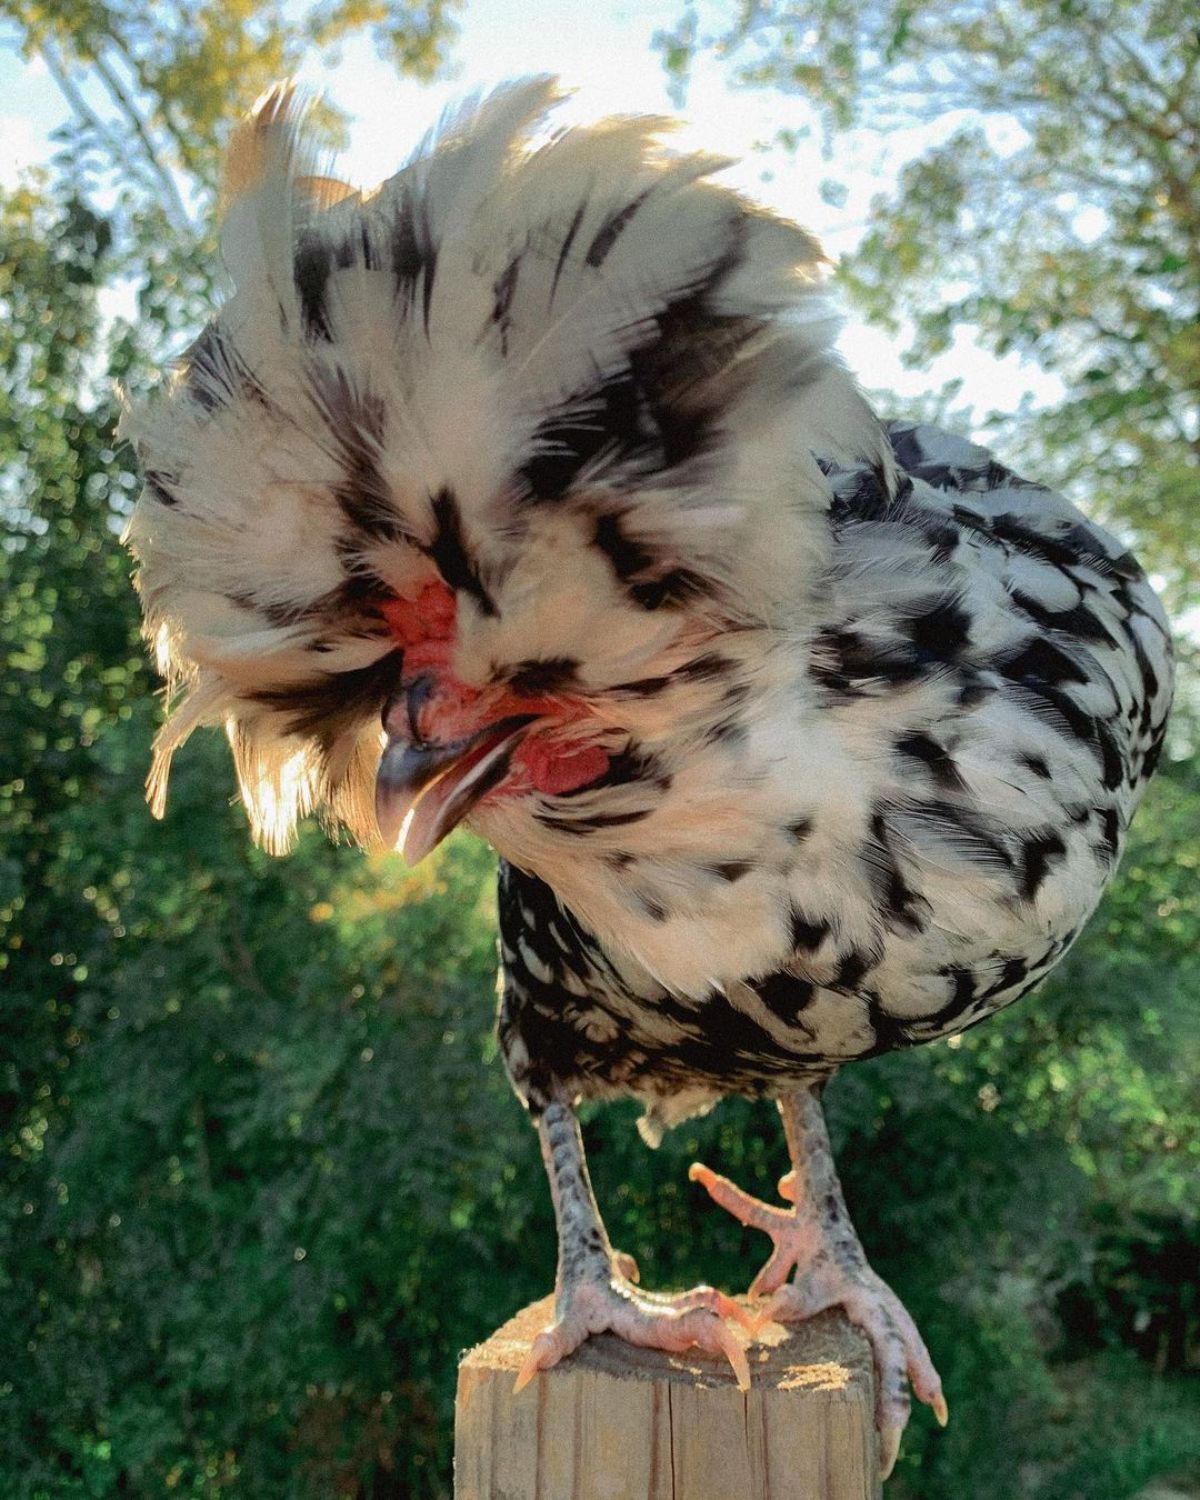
x=650, y=595
x=675, y=587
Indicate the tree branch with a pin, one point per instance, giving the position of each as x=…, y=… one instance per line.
x=127, y=107
x=183, y=144
x=75, y=100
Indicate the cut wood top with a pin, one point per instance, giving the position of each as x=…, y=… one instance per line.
x=824, y=1354
x=613, y=1422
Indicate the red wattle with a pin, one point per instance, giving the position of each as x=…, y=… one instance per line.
x=555, y=768
x=424, y=627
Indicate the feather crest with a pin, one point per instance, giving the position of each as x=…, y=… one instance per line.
x=447, y=333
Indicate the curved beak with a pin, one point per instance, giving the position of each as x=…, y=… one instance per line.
x=423, y=791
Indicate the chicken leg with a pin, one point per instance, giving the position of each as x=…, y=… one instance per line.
x=816, y=1239
x=594, y=1289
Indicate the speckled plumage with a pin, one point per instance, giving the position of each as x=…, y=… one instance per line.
x=800, y=738
x=992, y=675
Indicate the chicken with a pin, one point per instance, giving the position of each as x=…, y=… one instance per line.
x=527, y=492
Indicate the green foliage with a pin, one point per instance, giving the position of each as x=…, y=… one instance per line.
x=262, y=1177
x=1056, y=208
x=154, y=90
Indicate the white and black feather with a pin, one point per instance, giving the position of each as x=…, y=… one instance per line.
x=877, y=712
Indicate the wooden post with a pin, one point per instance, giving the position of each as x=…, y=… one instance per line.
x=617, y=1423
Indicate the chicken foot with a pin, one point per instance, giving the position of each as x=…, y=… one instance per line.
x=816, y=1239
x=595, y=1290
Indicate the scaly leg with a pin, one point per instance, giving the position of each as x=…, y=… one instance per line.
x=594, y=1289
x=816, y=1239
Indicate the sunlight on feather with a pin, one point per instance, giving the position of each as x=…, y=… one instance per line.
x=281, y=792
x=162, y=649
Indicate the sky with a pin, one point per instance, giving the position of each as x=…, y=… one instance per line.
x=603, y=50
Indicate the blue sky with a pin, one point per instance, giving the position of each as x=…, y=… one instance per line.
x=602, y=50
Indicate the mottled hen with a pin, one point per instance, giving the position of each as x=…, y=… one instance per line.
x=526, y=491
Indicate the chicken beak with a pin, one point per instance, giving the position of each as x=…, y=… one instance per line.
x=424, y=791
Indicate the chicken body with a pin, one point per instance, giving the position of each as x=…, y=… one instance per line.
x=922, y=802
x=527, y=492
x=928, y=801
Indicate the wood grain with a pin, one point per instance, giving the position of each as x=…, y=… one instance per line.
x=617, y=1423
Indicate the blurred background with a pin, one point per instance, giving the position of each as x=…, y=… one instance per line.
x=262, y=1176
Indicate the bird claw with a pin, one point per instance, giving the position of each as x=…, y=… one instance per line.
x=889, y=1449
x=832, y=1271
x=625, y=1265
x=899, y=1352
x=697, y=1319
x=736, y=1201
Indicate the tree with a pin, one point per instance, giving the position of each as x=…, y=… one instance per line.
x=154, y=90
x=1071, y=236
x=152, y=93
